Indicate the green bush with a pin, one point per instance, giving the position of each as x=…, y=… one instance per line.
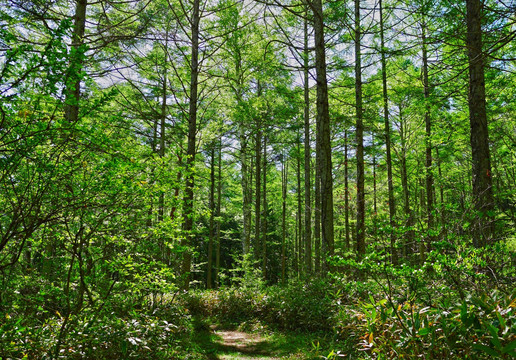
x=144, y=332
x=298, y=306
x=480, y=327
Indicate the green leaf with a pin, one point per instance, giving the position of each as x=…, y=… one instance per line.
x=509, y=347
x=494, y=333
x=486, y=349
x=424, y=331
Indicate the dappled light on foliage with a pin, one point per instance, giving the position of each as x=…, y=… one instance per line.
x=216, y=180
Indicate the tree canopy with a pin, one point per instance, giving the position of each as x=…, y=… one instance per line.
x=152, y=149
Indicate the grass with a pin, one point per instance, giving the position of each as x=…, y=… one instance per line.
x=233, y=344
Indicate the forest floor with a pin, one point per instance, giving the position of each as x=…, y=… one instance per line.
x=241, y=345
x=229, y=344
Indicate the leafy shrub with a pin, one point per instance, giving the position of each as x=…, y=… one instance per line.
x=479, y=327
x=302, y=307
x=160, y=332
x=298, y=306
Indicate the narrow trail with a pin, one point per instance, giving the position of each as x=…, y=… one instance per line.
x=236, y=345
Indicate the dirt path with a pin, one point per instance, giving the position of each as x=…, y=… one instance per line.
x=240, y=345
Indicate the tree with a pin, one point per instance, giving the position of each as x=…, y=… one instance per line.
x=387, y=134
x=323, y=127
x=481, y=160
x=359, y=135
x=307, y=153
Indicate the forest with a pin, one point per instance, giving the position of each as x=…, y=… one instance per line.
x=257, y=179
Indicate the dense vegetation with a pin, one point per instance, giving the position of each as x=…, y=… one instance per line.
x=340, y=173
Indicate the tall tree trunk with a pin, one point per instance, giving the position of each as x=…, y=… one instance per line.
x=209, y=281
x=299, y=253
x=150, y=212
x=375, y=205
x=190, y=161
x=482, y=182
x=161, y=201
x=258, y=196
x=308, y=155
x=265, y=211
x=219, y=199
x=165, y=251
x=429, y=179
x=387, y=131
x=317, y=201
x=359, y=135
x=441, y=193
x=283, y=218
x=246, y=194
x=73, y=81
x=323, y=119
x=346, y=190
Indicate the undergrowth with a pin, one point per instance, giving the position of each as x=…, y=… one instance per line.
x=449, y=308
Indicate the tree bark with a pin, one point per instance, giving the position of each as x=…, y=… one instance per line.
x=359, y=135
x=283, y=218
x=265, y=211
x=317, y=201
x=375, y=204
x=73, y=81
x=479, y=136
x=429, y=179
x=209, y=282
x=387, y=132
x=346, y=190
x=308, y=154
x=323, y=119
x=191, y=149
x=299, y=244
x=246, y=194
x=258, y=188
x=219, y=200
x=161, y=201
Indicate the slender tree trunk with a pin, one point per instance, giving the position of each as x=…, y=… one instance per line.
x=346, y=190
x=161, y=201
x=219, y=199
x=317, y=202
x=299, y=209
x=246, y=195
x=190, y=161
x=359, y=135
x=375, y=205
x=150, y=212
x=283, y=218
x=421, y=213
x=73, y=81
x=308, y=155
x=265, y=211
x=258, y=196
x=429, y=179
x=387, y=131
x=323, y=119
x=296, y=248
x=209, y=281
x=482, y=182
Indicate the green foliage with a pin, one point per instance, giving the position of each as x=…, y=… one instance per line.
x=138, y=331
x=298, y=307
x=478, y=327
x=458, y=304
